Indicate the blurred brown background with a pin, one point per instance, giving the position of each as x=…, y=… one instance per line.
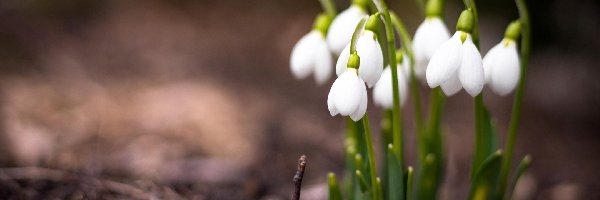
x=195, y=99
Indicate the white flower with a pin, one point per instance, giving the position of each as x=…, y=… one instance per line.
x=371, y=58
x=382, y=92
x=342, y=27
x=430, y=35
x=456, y=64
x=311, y=54
x=502, y=67
x=348, y=96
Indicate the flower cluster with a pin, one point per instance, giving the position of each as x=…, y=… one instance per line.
x=367, y=57
x=452, y=63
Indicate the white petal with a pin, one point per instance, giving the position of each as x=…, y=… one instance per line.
x=330, y=103
x=347, y=94
x=470, y=72
x=444, y=62
x=490, y=59
x=323, y=62
x=402, y=86
x=302, y=59
x=452, y=85
x=382, y=92
x=406, y=66
x=342, y=27
x=371, y=58
x=430, y=35
x=342, y=61
x=362, y=108
x=506, y=70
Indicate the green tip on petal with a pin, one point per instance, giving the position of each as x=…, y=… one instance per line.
x=513, y=31
x=463, y=37
x=465, y=21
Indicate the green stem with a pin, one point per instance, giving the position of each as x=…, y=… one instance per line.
x=434, y=131
x=351, y=147
x=391, y=45
x=478, y=157
x=516, y=110
x=414, y=83
x=371, y=153
x=421, y=4
x=329, y=7
x=357, y=31
x=475, y=34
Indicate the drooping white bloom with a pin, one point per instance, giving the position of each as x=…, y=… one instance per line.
x=383, y=93
x=444, y=62
x=342, y=27
x=430, y=35
x=502, y=67
x=456, y=64
x=348, y=96
x=311, y=55
x=371, y=58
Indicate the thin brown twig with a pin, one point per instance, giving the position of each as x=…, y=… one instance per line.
x=298, y=177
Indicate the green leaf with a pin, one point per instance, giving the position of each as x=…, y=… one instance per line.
x=363, y=163
x=486, y=178
x=426, y=186
x=334, y=189
x=430, y=171
x=364, y=186
x=486, y=138
x=386, y=138
x=409, y=183
x=378, y=189
x=395, y=187
x=523, y=166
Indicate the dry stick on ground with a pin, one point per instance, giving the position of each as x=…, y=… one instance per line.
x=298, y=177
x=35, y=173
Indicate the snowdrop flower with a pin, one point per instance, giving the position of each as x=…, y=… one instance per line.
x=348, y=96
x=502, y=65
x=311, y=54
x=457, y=63
x=430, y=35
x=382, y=92
x=342, y=27
x=371, y=55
